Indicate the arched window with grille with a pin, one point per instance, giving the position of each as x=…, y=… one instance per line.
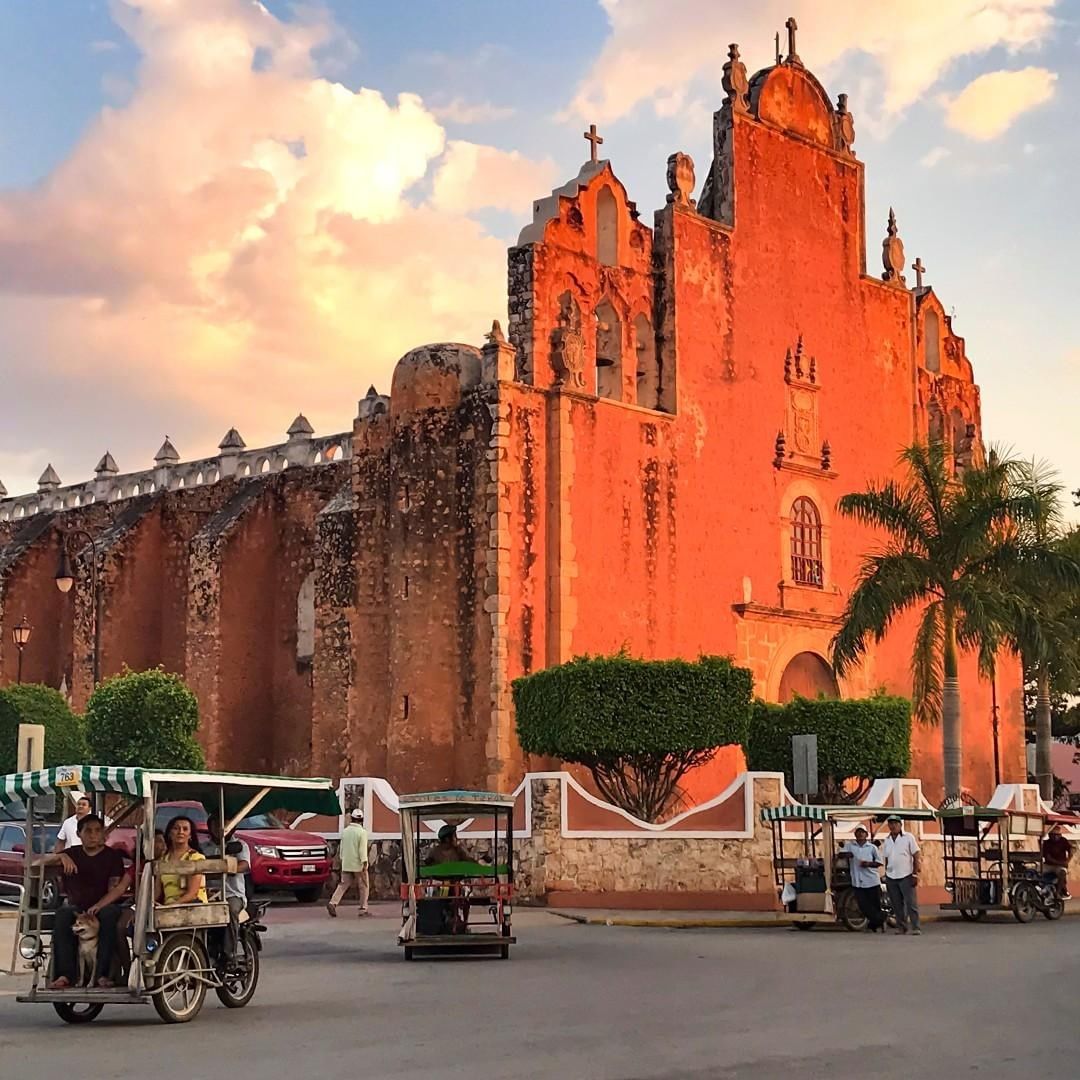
x=806, y=564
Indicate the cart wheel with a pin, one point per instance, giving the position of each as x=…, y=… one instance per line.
x=179, y=990
x=1055, y=910
x=504, y=952
x=409, y=952
x=1023, y=903
x=238, y=988
x=804, y=925
x=77, y=1014
x=973, y=914
x=849, y=913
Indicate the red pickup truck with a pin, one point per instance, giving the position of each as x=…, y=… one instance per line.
x=282, y=859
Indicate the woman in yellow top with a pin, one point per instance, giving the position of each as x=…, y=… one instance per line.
x=183, y=846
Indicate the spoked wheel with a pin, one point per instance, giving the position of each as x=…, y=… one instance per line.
x=850, y=914
x=81, y=1013
x=973, y=914
x=238, y=986
x=180, y=988
x=1055, y=909
x=1024, y=907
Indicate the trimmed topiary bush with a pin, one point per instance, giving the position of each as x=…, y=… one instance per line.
x=146, y=719
x=636, y=725
x=32, y=703
x=859, y=739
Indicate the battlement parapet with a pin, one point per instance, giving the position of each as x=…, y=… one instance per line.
x=303, y=449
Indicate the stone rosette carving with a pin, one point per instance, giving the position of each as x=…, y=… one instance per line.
x=568, y=346
x=681, y=180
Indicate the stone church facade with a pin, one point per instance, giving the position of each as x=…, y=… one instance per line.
x=650, y=457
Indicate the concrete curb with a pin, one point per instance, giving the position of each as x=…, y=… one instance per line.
x=690, y=922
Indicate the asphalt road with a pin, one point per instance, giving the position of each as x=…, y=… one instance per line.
x=338, y=1001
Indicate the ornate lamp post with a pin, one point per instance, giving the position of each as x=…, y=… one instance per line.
x=20, y=634
x=65, y=578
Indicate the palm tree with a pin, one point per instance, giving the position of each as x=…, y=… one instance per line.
x=1046, y=619
x=953, y=549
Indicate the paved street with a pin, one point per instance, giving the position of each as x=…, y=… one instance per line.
x=338, y=1001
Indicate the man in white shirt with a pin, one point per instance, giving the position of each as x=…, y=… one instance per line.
x=866, y=878
x=903, y=862
x=68, y=836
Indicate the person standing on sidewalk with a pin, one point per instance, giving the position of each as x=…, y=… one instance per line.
x=866, y=878
x=903, y=860
x=353, y=853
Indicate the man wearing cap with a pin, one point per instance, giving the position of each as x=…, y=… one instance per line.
x=866, y=878
x=903, y=861
x=354, y=864
x=1057, y=853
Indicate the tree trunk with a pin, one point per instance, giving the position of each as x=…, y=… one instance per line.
x=1044, y=770
x=951, y=730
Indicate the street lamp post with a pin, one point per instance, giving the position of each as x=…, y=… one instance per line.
x=20, y=634
x=65, y=578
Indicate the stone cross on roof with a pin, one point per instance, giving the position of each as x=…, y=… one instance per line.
x=792, y=55
x=594, y=140
x=919, y=269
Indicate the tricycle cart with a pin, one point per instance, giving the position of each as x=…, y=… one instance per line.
x=984, y=873
x=168, y=956
x=437, y=901
x=813, y=877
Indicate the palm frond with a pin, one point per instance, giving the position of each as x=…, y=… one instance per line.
x=926, y=666
x=893, y=508
x=889, y=583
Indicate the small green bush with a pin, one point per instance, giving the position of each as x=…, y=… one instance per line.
x=637, y=725
x=146, y=719
x=858, y=739
x=32, y=703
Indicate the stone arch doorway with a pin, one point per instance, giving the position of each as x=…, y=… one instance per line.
x=809, y=676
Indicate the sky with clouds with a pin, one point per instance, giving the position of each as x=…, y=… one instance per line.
x=219, y=212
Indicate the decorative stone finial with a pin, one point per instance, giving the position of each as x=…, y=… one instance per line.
x=779, y=448
x=106, y=466
x=48, y=480
x=497, y=356
x=232, y=441
x=813, y=369
x=787, y=365
x=3, y=490
x=495, y=335
x=845, y=125
x=300, y=428
x=892, y=255
x=680, y=180
x=826, y=456
x=167, y=455
x=792, y=55
x=736, y=85
x=919, y=269
x=798, y=358
x=594, y=141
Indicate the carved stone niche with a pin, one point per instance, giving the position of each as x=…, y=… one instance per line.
x=803, y=448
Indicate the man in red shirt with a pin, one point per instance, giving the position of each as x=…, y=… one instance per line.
x=95, y=878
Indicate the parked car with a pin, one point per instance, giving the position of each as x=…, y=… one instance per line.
x=282, y=860
x=13, y=860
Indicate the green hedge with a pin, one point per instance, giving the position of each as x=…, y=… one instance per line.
x=144, y=718
x=862, y=738
x=637, y=725
x=32, y=703
x=612, y=705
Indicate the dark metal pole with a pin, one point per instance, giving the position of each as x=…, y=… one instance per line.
x=994, y=724
x=18, y=677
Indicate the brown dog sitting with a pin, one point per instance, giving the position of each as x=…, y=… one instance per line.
x=86, y=929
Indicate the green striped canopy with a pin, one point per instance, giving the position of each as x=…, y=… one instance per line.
x=314, y=795
x=852, y=812
x=794, y=812
x=16, y=787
